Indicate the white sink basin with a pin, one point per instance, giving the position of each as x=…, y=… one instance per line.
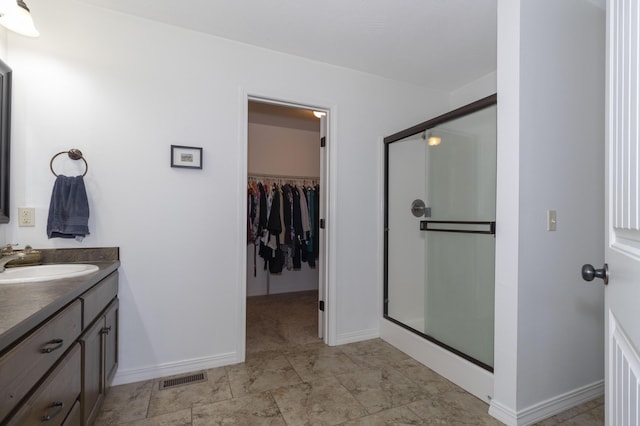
x=30, y=274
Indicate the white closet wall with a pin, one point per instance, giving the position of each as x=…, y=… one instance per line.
x=287, y=147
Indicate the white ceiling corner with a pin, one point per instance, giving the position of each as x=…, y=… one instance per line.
x=442, y=44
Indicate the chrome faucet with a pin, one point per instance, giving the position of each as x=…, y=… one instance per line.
x=8, y=258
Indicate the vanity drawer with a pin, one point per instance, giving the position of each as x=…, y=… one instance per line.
x=55, y=397
x=95, y=300
x=74, y=418
x=23, y=366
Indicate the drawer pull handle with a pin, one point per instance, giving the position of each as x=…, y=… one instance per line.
x=57, y=405
x=58, y=344
x=106, y=330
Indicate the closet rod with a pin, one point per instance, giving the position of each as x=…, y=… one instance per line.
x=270, y=176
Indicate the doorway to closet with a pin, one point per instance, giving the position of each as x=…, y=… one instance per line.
x=285, y=206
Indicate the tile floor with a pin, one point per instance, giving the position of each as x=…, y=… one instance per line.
x=290, y=378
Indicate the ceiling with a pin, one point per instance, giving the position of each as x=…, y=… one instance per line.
x=283, y=116
x=442, y=44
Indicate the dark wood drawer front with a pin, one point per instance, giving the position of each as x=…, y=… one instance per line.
x=96, y=299
x=74, y=418
x=30, y=360
x=56, y=396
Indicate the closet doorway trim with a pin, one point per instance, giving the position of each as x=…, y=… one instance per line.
x=328, y=173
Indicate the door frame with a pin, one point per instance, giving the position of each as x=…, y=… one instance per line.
x=327, y=176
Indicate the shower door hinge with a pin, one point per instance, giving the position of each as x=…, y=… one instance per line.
x=321, y=223
x=323, y=142
x=321, y=305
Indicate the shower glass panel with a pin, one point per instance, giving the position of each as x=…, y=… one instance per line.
x=439, y=260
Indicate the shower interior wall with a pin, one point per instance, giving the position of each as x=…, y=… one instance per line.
x=282, y=141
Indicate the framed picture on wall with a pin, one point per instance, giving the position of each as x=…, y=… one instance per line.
x=187, y=157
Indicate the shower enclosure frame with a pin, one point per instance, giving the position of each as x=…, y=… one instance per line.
x=419, y=128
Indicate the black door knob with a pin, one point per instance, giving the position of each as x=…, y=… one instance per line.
x=589, y=273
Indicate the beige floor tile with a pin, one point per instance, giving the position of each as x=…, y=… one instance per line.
x=125, y=403
x=317, y=361
x=373, y=353
x=216, y=388
x=176, y=418
x=382, y=388
x=319, y=402
x=284, y=320
x=261, y=372
x=381, y=385
x=430, y=381
x=455, y=408
x=257, y=409
x=399, y=416
x=594, y=417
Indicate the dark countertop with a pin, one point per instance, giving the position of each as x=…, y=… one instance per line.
x=24, y=306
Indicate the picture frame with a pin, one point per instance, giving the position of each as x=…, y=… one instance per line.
x=186, y=157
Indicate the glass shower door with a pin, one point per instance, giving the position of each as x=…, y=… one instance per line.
x=439, y=275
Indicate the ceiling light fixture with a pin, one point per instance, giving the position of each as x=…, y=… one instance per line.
x=434, y=141
x=319, y=114
x=16, y=16
x=431, y=139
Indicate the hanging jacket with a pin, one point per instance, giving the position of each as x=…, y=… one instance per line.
x=273, y=223
x=304, y=209
x=287, y=203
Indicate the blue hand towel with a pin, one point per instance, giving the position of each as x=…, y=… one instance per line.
x=69, y=209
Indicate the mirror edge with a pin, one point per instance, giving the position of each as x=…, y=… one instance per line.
x=5, y=139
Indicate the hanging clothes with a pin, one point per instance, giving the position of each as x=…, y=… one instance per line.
x=283, y=224
x=316, y=222
x=312, y=233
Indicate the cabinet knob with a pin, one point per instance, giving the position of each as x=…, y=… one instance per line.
x=106, y=330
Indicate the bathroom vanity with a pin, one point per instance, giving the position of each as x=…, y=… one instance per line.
x=58, y=347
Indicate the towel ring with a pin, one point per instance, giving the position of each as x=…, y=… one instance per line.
x=74, y=154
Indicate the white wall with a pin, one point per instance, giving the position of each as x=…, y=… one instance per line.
x=549, y=323
x=122, y=89
x=283, y=151
x=473, y=91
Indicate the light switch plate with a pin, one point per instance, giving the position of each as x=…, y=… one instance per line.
x=26, y=216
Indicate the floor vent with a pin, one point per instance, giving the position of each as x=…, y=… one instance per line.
x=183, y=380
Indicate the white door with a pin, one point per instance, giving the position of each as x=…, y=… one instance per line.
x=322, y=243
x=622, y=240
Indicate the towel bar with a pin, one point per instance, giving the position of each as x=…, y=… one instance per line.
x=74, y=154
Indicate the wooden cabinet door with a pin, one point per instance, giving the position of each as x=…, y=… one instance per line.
x=111, y=342
x=92, y=371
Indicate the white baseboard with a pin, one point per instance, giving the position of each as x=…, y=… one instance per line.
x=169, y=369
x=503, y=413
x=548, y=408
x=357, y=336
